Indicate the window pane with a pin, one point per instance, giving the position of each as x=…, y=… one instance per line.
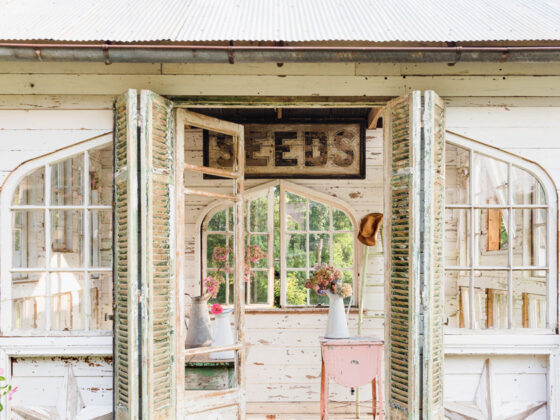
x=319, y=247
x=343, y=250
x=529, y=242
x=490, y=299
x=526, y=188
x=28, y=239
x=296, y=212
x=218, y=222
x=529, y=299
x=101, y=175
x=457, y=237
x=491, y=181
x=28, y=301
x=67, y=237
x=318, y=216
x=456, y=296
x=457, y=173
x=296, y=251
x=101, y=298
x=31, y=190
x=261, y=240
x=67, y=301
x=348, y=277
x=296, y=293
x=100, y=240
x=67, y=181
x=221, y=297
x=258, y=215
x=492, y=237
x=259, y=287
x=341, y=221
x=214, y=240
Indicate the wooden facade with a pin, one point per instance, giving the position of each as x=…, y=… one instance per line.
x=48, y=106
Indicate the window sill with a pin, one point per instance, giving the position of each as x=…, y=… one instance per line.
x=293, y=310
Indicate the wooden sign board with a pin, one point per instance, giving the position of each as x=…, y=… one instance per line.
x=294, y=150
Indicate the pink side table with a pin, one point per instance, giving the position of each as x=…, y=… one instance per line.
x=352, y=362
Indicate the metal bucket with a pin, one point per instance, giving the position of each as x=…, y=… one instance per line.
x=199, y=331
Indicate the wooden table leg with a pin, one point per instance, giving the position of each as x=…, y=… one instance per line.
x=324, y=392
x=374, y=397
x=381, y=403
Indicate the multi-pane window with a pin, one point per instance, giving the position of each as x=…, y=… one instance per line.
x=61, y=245
x=296, y=232
x=496, y=246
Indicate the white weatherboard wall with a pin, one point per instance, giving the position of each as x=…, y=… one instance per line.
x=46, y=106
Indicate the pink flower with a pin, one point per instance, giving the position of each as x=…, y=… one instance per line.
x=12, y=392
x=212, y=286
x=1, y=371
x=216, y=309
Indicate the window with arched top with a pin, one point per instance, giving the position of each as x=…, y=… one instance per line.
x=296, y=228
x=57, y=270
x=500, y=240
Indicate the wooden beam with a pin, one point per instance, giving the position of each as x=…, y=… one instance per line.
x=373, y=116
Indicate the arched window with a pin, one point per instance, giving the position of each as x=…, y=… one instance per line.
x=57, y=268
x=296, y=228
x=500, y=243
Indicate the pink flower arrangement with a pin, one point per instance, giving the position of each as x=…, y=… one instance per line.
x=327, y=278
x=217, y=309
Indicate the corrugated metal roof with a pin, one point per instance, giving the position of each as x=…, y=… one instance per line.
x=280, y=20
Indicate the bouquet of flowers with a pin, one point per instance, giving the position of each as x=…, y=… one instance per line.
x=327, y=278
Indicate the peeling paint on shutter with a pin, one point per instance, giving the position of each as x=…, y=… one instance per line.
x=125, y=261
x=157, y=186
x=414, y=202
x=402, y=205
x=433, y=273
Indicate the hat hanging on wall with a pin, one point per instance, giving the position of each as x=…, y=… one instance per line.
x=369, y=226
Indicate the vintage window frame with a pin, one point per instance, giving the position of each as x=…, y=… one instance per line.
x=284, y=186
x=551, y=266
x=6, y=247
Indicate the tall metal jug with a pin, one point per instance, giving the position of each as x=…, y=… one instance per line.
x=199, y=332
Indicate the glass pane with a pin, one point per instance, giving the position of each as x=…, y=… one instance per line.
x=101, y=175
x=318, y=216
x=67, y=182
x=261, y=240
x=67, y=238
x=490, y=300
x=529, y=241
x=28, y=301
x=214, y=240
x=457, y=173
x=31, y=190
x=28, y=239
x=456, y=296
x=258, y=215
x=348, y=277
x=529, y=299
x=68, y=306
x=296, y=293
x=100, y=240
x=296, y=212
x=218, y=222
x=296, y=251
x=343, y=250
x=259, y=287
x=526, y=188
x=457, y=237
x=319, y=248
x=101, y=298
x=491, y=180
x=341, y=221
x=491, y=237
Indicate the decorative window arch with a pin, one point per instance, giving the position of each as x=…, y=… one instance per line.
x=500, y=246
x=57, y=267
x=298, y=224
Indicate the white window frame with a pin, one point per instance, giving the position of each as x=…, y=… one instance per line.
x=551, y=266
x=8, y=189
x=284, y=186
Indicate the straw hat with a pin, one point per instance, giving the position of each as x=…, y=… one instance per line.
x=369, y=226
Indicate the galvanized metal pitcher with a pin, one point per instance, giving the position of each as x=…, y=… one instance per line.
x=199, y=331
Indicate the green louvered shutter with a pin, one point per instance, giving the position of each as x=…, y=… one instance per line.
x=433, y=274
x=125, y=259
x=414, y=201
x=402, y=150
x=157, y=216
